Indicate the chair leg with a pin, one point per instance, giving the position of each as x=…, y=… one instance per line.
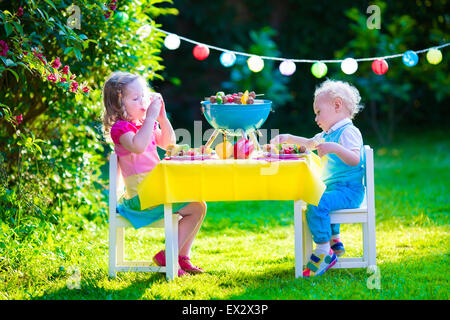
x=365, y=233
x=298, y=235
x=175, y=219
x=171, y=234
x=120, y=242
x=372, y=241
x=112, y=251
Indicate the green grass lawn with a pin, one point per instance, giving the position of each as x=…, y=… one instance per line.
x=247, y=248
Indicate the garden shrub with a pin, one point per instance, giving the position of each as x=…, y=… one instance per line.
x=55, y=56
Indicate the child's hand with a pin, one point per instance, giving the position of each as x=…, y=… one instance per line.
x=152, y=111
x=154, y=108
x=326, y=147
x=158, y=100
x=162, y=112
x=282, y=138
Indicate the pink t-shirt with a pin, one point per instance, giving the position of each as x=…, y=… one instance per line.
x=134, y=163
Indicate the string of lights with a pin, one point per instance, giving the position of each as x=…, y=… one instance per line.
x=287, y=66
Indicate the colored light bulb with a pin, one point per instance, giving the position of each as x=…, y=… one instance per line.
x=319, y=69
x=434, y=56
x=227, y=59
x=349, y=66
x=410, y=58
x=172, y=42
x=201, y=52
x=380, y=66
x=287, y=67
x=255, y=63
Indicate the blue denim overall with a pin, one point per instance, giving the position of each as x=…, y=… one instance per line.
x=344, y=190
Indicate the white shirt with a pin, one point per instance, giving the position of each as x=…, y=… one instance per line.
x=350, y=138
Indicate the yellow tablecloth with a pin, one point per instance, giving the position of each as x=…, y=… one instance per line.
x=232, y=180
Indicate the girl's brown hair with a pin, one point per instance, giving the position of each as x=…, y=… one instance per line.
x=113, y=91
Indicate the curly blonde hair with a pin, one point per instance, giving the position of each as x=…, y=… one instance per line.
x=112, y=93
x=340, y=89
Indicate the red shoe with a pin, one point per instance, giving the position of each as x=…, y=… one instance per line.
x=186, y=265
x=182, y=273
x=160, y=260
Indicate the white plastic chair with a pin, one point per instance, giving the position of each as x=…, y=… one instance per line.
x=117, y=225
x=365, y=215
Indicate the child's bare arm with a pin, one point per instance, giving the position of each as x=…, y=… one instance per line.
x=350, y=157
x=289, y=138
x=166, y=136
x=138, y=143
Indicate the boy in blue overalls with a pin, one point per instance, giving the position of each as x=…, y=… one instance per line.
x=340, y=145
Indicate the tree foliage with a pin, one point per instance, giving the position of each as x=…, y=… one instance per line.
x=51, y=146
x=402, y=92
x=311, y=29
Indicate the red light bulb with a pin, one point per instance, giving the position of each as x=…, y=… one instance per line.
x=201, y=52
x=380, y=66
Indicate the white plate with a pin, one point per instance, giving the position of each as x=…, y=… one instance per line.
x=284, y=156
x=190, y=158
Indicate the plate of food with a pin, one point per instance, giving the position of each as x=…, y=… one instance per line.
x=189, y=158
x=285, y=156
x=184, y=152
x=284, y=151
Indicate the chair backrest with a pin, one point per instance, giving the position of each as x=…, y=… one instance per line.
x=116, y=184
x=369, y=180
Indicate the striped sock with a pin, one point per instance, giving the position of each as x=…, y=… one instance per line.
x=335, y=238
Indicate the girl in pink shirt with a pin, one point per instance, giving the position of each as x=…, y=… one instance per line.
x=136, y=122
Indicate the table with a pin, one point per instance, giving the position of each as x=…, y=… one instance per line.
x=174, y=181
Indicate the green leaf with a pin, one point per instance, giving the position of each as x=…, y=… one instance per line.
x=18, y=27
x=8, y=62
x=51, y=4
x=40, y=12
x=86, y=43
x=73, y=38
x=8, y=28
x=77, y=54
x=24, y=65
x=67, y=50
x=37, y=147
x=14, y=73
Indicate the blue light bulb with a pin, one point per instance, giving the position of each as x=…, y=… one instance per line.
x=227, y=59
x=410, y=58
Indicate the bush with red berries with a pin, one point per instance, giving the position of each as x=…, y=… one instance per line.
x=54, y=58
